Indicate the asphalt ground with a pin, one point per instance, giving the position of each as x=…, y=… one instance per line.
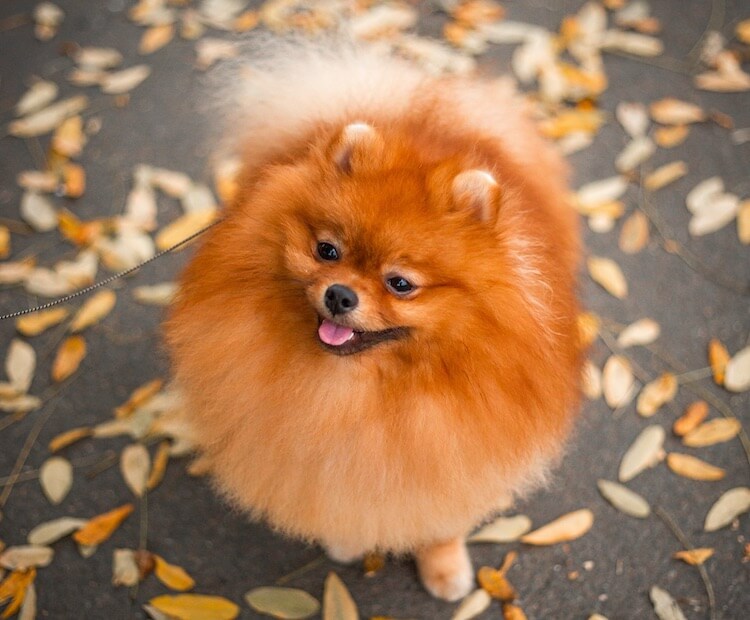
x=609, y=570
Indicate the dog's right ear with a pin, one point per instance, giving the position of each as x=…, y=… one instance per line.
x=359, y=147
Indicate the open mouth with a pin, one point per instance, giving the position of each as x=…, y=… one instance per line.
x=344, y=340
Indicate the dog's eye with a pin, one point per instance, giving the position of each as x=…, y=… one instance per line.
x=399, y=285
x=326, y=251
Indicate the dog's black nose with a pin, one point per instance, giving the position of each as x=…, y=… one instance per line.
x=340, y=299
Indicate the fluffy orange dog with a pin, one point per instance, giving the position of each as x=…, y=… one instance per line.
x=377, y=347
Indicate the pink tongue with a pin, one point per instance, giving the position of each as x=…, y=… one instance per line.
x=333, y=334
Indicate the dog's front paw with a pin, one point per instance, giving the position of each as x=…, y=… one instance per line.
x=445, y=570
x=343, y=554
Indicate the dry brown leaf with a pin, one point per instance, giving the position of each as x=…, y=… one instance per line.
x=513, y=612
x=52, y=531
x=125, y=80
x=655, y=394
x=48, y=118
x=16, y=272
x=718, y=356
x=693, y=416
x=135, y=464
x=712, y=432
x=63, y=440
x=698, y=199
x=93, y=310
x=28, y=606
x=290, y=603
x=472, y=605
x=69, y=357
x=20, y=364
x=718, y=211
x=16, y=587
x=617, y=381
x=665, y=607
x=174, y=577
x=495, y=584
x=184, y=226
x=100, y=528
x=4, y=242
x=694, y=557
x=565, y=528
x=646, y=451
x=41, y=93
x=195, y=607
x=625, y=500
x=74, y=180
x=373, y=563
x=502, y=529
x=642, y=332
x=743, y=222
x=38, y=322
x=669, y=137
x=124, y=568
x=56, y=478
x=634, y=234
x=140, y=396
x=727, y=508
x=634, y=154
x=155, y=38
x=633, y=118
x=69, y=139
x=672, y=111
x=632, y=43
x=38, y=212
x=22, y=557
x=97, y=57
x=338, y=604
x=156, y=294
x=607, y=273
x=693, y=468
x=572, y=121
x=20, y=404
x=159, y=468
x=737, y=375
x=742, y=31
x=664, y=175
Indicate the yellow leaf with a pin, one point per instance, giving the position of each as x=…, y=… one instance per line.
x=495, y=584
x=15, y=587
x=567, y=527
x=669, y=137
x=693, y=468
x=694, y=557
x=37, y=322
x=67, y=438
x=666, y=174
x=161, y=458
x=513, y=612
x=671, y=111
x=607, y=273
x=338, y=604
x=713, y=432
x=4, y=242
x=172, y=576
x=588, y=327
x=140, y=396
x=94, y=310
x=742, y=30
x=101, y=527
x=69, y=357
x=69, y=139
x=570, y=121
x=74, y=180
x=196, y=607
x=617, y=381
x=743, y=222
x=184, y=226
x=718, y=357
x=155, y=37
x=693, y=416
x=634, y=234
x=655, y=394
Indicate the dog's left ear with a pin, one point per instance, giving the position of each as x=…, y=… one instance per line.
x=478, y=192
x=359, y=147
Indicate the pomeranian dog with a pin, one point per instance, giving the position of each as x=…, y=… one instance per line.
x=377, y=346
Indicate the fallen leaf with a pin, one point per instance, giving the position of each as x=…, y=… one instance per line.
x=712, y=432
x=41, y=93
x=565, y=528
x=38, y=322
x=642, y=332
x=135, y=464
x=655, y=394
x=634, y=154
x=719, y=211
x=159, y=467
x=100, y=528
x=20, y=364
x=74, y=180
x=196, y=607
x=513, y=612
x=124, y=568
x=68, y=359
x=625, y=500
x=473, y=605
x=693, y=416
x=602, y=191
x=28, y=607
x=183, y=227
x=93, y=310
x=52, y=531
x=209, y=51
x=633, y=118
x=140, y=396
x=670, y=111
x=591, y=380
x=646, y=451
x=694, y=557
x=4, y=242
x=173, y=183
x=664, y=175
x=617, y=381
x=634, y=234
x=63, y=440
x=16, y=587
x=669, y=137
x=198, y=198
x=727, y=508
x=588, y=328
x=125, y=80
x=372, y=564
x=742, y=31
x=607, y=273
x=97, y=57
x=56, y=478
x=38, y=212
x=698, y=198
x=693, y=468
x=631, y=43
x=172, y=576
x=495, y=584
x=140, y=207
x=69, y=138
x=22, y=557
x=338, y=604
x=502, y=530
x=737, y=376
x=46, y=119
x=665, y=607
x=743, y=222
x=282, y=602
x=718, y=356
x=20, y=404
x=156, y=294
x=155, y=38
